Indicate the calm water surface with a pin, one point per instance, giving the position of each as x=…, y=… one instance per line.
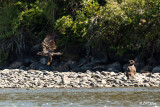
x=101, y=97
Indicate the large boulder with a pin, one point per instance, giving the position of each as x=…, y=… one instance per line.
x=35, y=65
x=28, y=61
x=63, y=67
x=91, y=63
x=80, y=66
x=156, y=69
x=1, y=68
x=83, y=66
x=147, y=69
x=16, y=64
x=157, y=58
x=36, y=48
x=43, y=60
x=99, y=58
x=139, y=64
x=114, y=67
x=151, y=61
x=125, y=66
x=39, y=66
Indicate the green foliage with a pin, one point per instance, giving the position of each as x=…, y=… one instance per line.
x=64, y=23
x=128, y=26
x=31, y=17
x=7, y=17
x=74, y=32
x=22, y=24
x=120, y=26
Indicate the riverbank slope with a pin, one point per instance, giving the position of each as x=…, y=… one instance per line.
x=17, y=78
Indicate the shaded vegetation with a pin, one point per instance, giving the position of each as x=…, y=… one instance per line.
x=121, y=27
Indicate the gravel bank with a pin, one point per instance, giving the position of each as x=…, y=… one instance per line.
x=16, y=78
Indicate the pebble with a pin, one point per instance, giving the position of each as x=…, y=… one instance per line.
x=17, y=78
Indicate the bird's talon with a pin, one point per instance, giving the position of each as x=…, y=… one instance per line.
x=48, y=63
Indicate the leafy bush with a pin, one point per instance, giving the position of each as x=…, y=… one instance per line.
x=31, y=17
x=22, y=25
x=113, y=26
x=121, y=26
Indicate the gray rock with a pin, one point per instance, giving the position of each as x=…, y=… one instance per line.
x=156, y=69
x=84, y=67
x=71, y=64
x=115, y=85
x=108, y=86
x=124, y=78
x=126, y=84
x=115, y=67
x=92, y=64
x=139, y=64
x=16, y=64
x=22, y=67
x=103, y=81
x=99, y=58
x=135, y=85
x=43, y=60
x=112, y=73
x=27, y=68
x=140, y=84
x=39, y=66
x=36, y=48
x=64, y=67
x=146, y=85
x=98, y=67
x=27, y=61
x=125, y=67
x=155, y=85
x=105, y=73
x=66, y=80
x=1, y=68
x=88, y=72
x=6, y=71
x=35, y=65
x=147, y=69
x=151, y=61
x=119, y=76
x=96, y=76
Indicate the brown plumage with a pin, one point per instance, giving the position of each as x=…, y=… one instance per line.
x=49, y=43
x=131, y=70
x=49, y=46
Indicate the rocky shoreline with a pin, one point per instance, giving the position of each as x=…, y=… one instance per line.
x=18, y=78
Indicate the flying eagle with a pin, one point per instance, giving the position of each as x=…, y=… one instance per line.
x=49, y=47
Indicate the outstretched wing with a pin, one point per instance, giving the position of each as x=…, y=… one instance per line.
x=49, y=44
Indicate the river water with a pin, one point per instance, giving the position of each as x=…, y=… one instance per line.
x=101, y=97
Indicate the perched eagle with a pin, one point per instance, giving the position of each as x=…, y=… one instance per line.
x=49, y=47
x=131, y=69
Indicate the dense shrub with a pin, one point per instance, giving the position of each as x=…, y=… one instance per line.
x=22, y=24
x=122, y=27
